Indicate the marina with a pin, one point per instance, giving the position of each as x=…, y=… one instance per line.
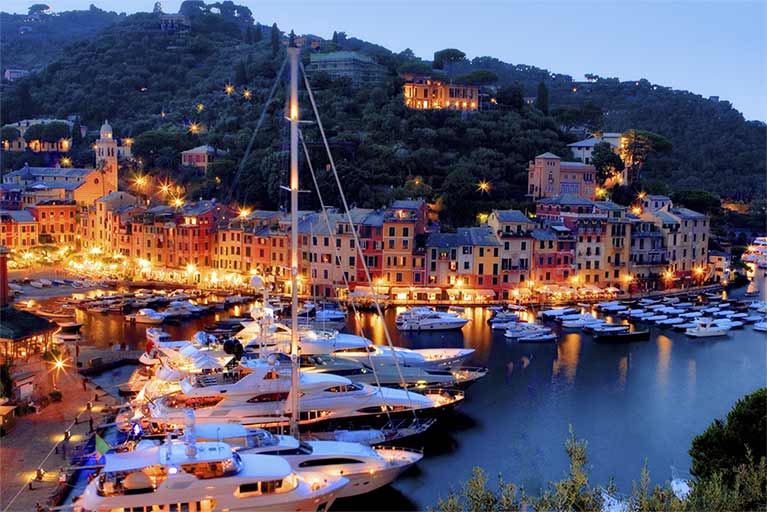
x=532, y=391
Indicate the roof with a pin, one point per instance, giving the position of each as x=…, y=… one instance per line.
x=114, y=196
x=336, y=56
x=544, y=234
x=57, y=202
x=480, y=236
x=407, y=204
x=609, y=206
x=17, y=216
x=665, y=217
x=447, y=240
x=205, y=148
x=652, y=197
x=17, y=324
x=577, y=166
x=687, y=214
x=199, y=207
x=585, y=143
x=569, y=199
x=47, y=185
x=548, y=155
x=511, y=216
x=28, y=172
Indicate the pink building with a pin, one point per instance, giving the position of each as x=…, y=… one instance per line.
x=549, y=176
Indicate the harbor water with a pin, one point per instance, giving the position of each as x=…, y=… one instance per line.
x=633, y=403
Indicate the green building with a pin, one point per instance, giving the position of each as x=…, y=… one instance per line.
x=359, y=67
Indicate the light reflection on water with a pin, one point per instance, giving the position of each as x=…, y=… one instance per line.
x=516, y=419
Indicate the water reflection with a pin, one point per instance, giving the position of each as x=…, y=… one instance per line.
x=623, y=371
x=568, y=353
x=664, y=357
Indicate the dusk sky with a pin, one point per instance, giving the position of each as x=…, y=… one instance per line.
x=710, y=48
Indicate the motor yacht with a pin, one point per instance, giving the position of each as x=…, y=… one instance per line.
x=427, y=319
x=256, y=394
x=330, y=313
x=526, y=329
x=706, y=329
x=367, y=468
x=205, y=476
x=146, y=316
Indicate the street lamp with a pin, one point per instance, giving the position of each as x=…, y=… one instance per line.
x=483, y=186
x=628, y=279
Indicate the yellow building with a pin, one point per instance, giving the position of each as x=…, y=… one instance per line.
x=422, y=92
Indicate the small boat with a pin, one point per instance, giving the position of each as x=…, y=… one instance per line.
x=730, y=324
x=760, y=326
x=556, y=312
x=624, y=336
x=671, y=321
x=57, y=313
x=524, y=329
x=750, y=319
x=608, y=329
x=46, y=282
x=655, y=318
x=146, y=316
x=539, y=337
x=691, y=314
x=36, y=284
x=330, y=313
x=684, y=326
x=706, y=330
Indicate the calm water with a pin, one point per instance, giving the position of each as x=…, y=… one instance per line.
x=632, y=402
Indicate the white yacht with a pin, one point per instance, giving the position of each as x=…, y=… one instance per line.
x=276, y=338
x=760, y=326
x=427, y=319
x=707, y=329
x=205, y=477
x=146, y=316
x=367, y=468
x=330, y=313
x=257, y=395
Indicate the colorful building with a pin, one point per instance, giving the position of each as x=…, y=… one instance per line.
x=423, y=92
x=549, y=176
x=57, y=222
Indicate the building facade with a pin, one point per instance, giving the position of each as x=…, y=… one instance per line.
x=549, y=176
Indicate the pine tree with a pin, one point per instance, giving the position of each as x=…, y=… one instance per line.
x=335, y=37
x=240, y=74
x=275, y=40
x=292, y=38
x=77, y=134
x=257, y=35
x=542, y=100
x=249, y=35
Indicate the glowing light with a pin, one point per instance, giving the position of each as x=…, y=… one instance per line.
x=177, y=202
x=483, y=186
x=140, y=181
x=600, y=192
x=165, y=188
x=229, y=89
x=244, y=212
x=194, y=128
x=575, y=89
x=200, y=107
x=642, y=195
x=246, y=94
x=191, y=269
x=66, y=162
x=58, y=364
x=668, y=274
x=636, y=210
x=698, y=271
x=127, y=141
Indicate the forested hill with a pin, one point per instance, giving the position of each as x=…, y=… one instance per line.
x=151, y=85
x=31, y=41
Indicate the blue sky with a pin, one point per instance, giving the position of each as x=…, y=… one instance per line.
x=710, y=48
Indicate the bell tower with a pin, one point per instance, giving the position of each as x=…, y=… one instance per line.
x=106, y=155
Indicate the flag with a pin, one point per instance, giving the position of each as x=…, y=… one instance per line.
x=101, y=446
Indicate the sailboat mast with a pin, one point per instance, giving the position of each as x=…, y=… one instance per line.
x=293, y=54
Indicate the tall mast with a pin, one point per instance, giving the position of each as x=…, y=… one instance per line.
x=293, y=54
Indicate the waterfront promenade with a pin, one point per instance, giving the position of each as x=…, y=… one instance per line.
x=37, y=441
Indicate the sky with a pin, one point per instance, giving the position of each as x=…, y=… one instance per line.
x=712, y=48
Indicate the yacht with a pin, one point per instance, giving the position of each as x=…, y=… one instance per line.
x=257, y=394
x=526, y=329
x=414, y=377
x=68, y=332
x=556, y=312
x=146, y=316
x=328, y=313
x=538, y=337
x=205, y=476
x=427, y=319
x=276, y=338
x=367, y=468
x=707, y=329
x=760, y=326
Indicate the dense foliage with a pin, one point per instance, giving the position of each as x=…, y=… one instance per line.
x=145, y=80
x=728, y=477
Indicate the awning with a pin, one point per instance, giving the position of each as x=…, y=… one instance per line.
x=6, y=410
x=484, y=293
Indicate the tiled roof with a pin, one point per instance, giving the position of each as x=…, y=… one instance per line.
x=17, y=215
x=28, y=172
x=64, y=185
x=544, y=234
x=448, y=240
x=482, y=235
x=687, y=214
x=205, y=148
x=407, y=204
x=585, y=143
x=609, y=206
x=511, y=216
x=666, y=217
x=568, y=199
x=576, y=166
x=548, y=155
x=17, y=324
x=652, y=197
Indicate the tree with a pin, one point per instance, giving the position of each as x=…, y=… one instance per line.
x=335, y=37
x=38, y=9
x=447, y=55
x=542, y=100
x=607, y=163
x=698, y=200
x=257, y=34
x=728, y=443
x=157, y=8
x=240, y=73
x=9, y=133
x=275, y=40
x=511, y=96
x=192, y=8
x=248, y=36
x=480, y=77
x=638, y=145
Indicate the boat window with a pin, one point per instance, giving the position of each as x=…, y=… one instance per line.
x=382, y=408
x=182, y=401
x=344, y=388
x=368, y=348
x=269, y=397
x=328, y=462
x=266, y=487
x=214, y=469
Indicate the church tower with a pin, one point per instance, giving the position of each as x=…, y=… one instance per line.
x=106, y=155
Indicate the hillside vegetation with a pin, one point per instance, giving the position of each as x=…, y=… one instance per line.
x=152, y=85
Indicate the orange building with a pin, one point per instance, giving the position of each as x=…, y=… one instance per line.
x=422, y=92
x=549, y=176
x=56, y=221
